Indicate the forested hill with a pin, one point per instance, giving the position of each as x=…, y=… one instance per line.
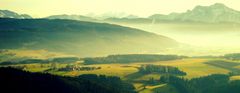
x=78, y=37
x=17, y=81
x=131, y=58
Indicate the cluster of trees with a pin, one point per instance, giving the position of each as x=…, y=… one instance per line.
x=216, y=83
x=130, y=58
x=42, y=61
x=160, y=69
x=18, y=81
x=65, y=59
x=78, y=68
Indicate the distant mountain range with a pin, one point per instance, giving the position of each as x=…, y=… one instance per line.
x=90, y=19
x=215, y=13
x=210, y=14
x=11, y=14
x=73, y=17
x=79, y=37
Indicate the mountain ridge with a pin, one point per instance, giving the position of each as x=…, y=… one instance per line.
x=11, y=14
x=73, y=17
x=215, y=13
x=79, y=37
x=210, y=14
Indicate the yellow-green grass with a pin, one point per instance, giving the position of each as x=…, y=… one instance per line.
x=201, y=69
x=155, y=76
x=107, y=69
x=146, y=91
x=238, y=67
x=138, y=86
x=162, y=88
x=166, y=88
x=194, y=67
x=155, y=86
x=37, y=69
x=235, y=78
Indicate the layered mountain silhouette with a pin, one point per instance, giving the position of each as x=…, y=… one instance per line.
x=211, y=14
x=78, y=37
x=73, y=17
x=11, y=14
x=216, y=13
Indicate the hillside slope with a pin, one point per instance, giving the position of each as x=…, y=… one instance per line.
x=80, y=38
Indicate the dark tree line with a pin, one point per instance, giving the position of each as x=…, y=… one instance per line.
x=160, y=69
x=78, y=68
x=209, y=84
x=130, y=58
x=42, y=61
x=65, y=59
x=18, y=81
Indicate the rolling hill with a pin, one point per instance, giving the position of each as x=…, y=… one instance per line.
x=11, y=14
x=79, y=38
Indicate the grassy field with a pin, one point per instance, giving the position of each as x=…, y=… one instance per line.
x=194, y=67
x=235, y=78
x=231, y=66
x=107, y=69
x=162, y=88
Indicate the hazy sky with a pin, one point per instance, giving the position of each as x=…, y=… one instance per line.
x=143, y=8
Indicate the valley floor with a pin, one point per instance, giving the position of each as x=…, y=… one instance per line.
x=194, y=67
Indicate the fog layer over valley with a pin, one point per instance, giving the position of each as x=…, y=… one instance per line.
x=212, y=28
x=205, y=35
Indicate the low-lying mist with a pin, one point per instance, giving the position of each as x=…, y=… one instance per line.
x=198, y=38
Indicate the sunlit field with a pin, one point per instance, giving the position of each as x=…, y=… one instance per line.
x=194, y=67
